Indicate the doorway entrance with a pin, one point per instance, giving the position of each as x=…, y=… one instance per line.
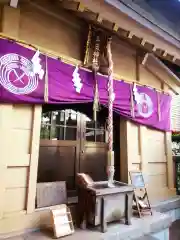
x=71, y=142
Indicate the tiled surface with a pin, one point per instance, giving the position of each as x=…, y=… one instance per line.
x=174, y=235
x=139, y=227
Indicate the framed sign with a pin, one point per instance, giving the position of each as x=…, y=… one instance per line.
x=142, y=204
x=137, y=179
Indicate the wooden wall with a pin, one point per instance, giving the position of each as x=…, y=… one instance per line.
x=142, y=148
x=148, y=150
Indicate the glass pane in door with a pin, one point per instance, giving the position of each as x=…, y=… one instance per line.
x=94, y=131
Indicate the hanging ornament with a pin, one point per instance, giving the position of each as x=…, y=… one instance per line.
x=95, y=68
x=36, y=66
x=136, y=94
x=77, y=80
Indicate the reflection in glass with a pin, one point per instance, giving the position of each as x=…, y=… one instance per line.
x=100, y=135
x=90, y=135
x=62, y=125
x=70, y=133
x=59, y=125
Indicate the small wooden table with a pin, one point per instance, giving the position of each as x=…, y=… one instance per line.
x=99, y=204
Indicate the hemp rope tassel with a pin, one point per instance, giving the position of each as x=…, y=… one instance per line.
x=110, y=167
x=96, y=100
x=110, y=97
x=46, y=90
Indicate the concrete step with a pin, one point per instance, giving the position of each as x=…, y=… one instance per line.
x=141, y=229
x=168, y=205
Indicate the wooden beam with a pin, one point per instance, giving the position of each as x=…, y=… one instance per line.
x=154, y=48
x=143, y=42
x=5, y=130
x=10, y=21
x=83, y=10
x=164, y=54
x=128, y=11
x=130, y=35
x=174, y=59
x=71, y=5
x=151, y=58
x=144, y=59
x=81, y=7
x=88, y=15
x=99, y=18
x=115, y=27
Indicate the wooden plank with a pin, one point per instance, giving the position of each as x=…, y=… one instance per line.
x=23, y=143
x=124, y=153
x=130, y=35
x=10, y=26
x=168, y=152
x=143, y=140
x=71, y=5
x=157, y=168
x=51, y=194
x=15, y=199
x=20, y=122
x=10, y=21
x=150, y=61
x=35, y=139
x=170, y=177
x=5, y=133
x=153, y=179
x=16, y=177
x=18, y=160
x=135, y=166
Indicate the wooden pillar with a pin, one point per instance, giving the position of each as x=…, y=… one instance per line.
x=168, y=147
x=10, y=26
x=168, y=152
x=124, y=150
x=142, y=132
x=5, y=143
x=141, y=128
x=34, y=152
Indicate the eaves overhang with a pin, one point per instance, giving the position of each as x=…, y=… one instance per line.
x=135, y=15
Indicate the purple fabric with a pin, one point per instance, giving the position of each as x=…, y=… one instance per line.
x=61, y=88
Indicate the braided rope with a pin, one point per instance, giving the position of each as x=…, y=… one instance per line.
x=110, y=97
x=95, y=67
x=46, y=89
